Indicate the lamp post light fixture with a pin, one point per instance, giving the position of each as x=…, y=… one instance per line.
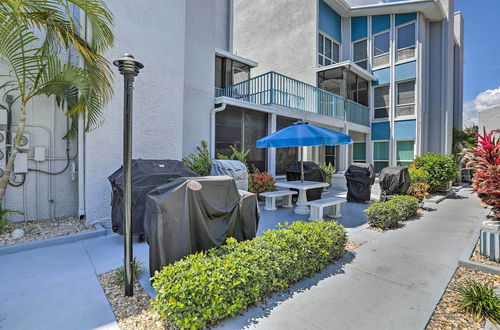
x=129, y=67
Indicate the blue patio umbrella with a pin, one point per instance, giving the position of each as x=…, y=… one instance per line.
x=302, y=134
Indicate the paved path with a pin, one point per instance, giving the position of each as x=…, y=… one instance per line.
x=393, y=281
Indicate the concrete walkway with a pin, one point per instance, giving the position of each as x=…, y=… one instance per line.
x=393, y=281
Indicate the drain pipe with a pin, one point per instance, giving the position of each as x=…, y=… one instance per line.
x=212, y=128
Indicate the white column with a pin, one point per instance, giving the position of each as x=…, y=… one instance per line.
x=271, y=152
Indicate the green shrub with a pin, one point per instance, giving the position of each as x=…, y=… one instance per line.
x=137, y=269
x=479, y=300
x=329, y=170
x=408, y=206
x=199, y=162
x=222, y=282
x=418, y=174
x=441, y=168
x=236, y=155
x=383, y=215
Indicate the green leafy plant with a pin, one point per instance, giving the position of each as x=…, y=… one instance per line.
x=408, y=206
x=383, y=215
x=208, y=286
x=236, y=155
x=441, y=168
x=419, y=190
x=137, y=269
x=329, y=170
x=259, y=182
x=419, y=174
x=199, y=162
x=479, y=300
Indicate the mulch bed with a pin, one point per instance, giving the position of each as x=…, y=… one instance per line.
x=135, y=312
x=447, y=315
x=42, y=229
x=477, y=257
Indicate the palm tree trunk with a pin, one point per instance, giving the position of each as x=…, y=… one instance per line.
x=12, y=157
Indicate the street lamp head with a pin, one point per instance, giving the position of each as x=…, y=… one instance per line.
x=128, y=65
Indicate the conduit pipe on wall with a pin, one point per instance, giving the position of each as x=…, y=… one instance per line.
x=212, y=128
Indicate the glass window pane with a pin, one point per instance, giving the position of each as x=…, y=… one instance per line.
x=241, y=72
x=320, y=44
x=406, y=92
x=328, y=48
x=363, y=64
x=218, y=72
x=406, y=36
x=381, y=150
x=360, y=51
x=255, y=129
x=284, y=156
x=336, y=53
x=403, y=54
x=404, y=150
x=359, y=152
x=330, y=155
x=381, y=44
x=378, y=166
x=381, y=60
x=381, y=113
x=405, y=110
x=381, y=96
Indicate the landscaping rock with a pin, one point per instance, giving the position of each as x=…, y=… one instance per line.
x=17, y=233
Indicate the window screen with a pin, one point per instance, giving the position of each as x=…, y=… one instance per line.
x=381, y=101
x=328, y=51
x=360, y=53
x=381, y=46
x=405, y=98
x=405, y=42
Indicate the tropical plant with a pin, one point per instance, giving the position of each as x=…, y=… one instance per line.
x=205, y=287
x=199, y=162
x=479, y=300
x=329, y=170
x=137, y=269
x=418, y=174
x=418, y=190
x=236, y=155
x=484, y=159
x=466, y=138
x=408, y=206
x=259, y=182
x=32, y=33
x=384, y=215
x=441, y=168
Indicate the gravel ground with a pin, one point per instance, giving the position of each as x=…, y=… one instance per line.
x=134, y=312
x=42, y=229
x=477, y=257
x=447, y=315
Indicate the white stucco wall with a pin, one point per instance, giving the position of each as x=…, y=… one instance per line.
x=280, y=36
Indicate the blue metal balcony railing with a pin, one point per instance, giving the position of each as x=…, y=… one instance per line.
x=275, y=88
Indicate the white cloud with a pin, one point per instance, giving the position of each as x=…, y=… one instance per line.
x=483, y=100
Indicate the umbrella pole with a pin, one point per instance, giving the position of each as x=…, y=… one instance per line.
x=302, y=164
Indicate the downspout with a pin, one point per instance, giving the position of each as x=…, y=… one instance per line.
x=81, y=150
x=212, y=128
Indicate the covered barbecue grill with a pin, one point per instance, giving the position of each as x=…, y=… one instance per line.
x=146, y=175
x=312, y=172
x=393, y=181
x=189, y=215
x=359, y=179
x=233, y=168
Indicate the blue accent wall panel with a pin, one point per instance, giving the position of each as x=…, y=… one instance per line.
x=405, y=129
x=380, y=23
x=403, y=18
x=329, y=21
x=381, y=131
x=359, y=27
x=405, y=71
x=383, y=76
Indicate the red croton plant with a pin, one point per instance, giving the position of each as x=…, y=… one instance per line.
x=484, y=159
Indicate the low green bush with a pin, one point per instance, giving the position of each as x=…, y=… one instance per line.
x=441, y=168
x=418, y=175
x=384, y=215
x=479, y=300
x=199, y=162
x=222, y=282
x=408, y=206
x=137, y=270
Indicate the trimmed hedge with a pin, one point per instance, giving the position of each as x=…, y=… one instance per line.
x=441, y=168
x=408, y=206
x=384, y=215
x=222, y=282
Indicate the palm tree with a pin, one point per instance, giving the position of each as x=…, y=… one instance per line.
x=34, y=68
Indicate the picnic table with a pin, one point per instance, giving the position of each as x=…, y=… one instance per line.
x=301, y=205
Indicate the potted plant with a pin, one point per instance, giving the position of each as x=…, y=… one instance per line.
x=484, y=160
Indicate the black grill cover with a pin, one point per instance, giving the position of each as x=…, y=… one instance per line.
x=393, y=181
x=189, y=215
x=359, y=179
x=312, y=172
x=146, y=175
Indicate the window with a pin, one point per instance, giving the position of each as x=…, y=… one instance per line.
x=381, y=102
x=380, y=155
x=330, y=155
x=360, y=53
x=405, y=152
x=405, y=43
x=328, y=50
x=381, y=46
x=405, y=98
x=284, y=156
x=229, y=72
x=359, y=152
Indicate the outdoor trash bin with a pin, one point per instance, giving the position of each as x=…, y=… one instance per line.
x=233, y=168
x=312, y=172
x=189, y=215
x=359, y=179
x=393, y=181
x=146, y=175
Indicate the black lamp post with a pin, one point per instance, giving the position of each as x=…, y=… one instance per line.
x=129, y=68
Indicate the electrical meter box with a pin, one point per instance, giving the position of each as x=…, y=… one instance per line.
x=21, y=163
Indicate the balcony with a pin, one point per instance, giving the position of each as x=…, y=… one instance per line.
x=275, y=88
